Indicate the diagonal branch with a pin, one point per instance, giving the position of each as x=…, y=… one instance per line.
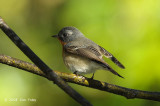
x=38, y=62
x=126, y=92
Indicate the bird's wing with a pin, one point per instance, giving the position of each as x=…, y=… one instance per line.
x=88, y=52
x=91, y=53
x=110, y=56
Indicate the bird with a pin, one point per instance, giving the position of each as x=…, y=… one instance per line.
x=83, y=56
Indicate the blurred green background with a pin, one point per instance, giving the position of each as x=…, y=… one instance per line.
x=129, y=29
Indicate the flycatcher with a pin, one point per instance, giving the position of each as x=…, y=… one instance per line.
x=83, y=56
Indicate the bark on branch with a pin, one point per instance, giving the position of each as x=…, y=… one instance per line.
x=80, y=80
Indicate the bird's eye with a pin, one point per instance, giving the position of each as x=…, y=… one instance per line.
x=65, y=34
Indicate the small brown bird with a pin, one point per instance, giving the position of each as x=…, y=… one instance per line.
x=82, y=55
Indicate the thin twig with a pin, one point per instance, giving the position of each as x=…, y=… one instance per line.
x=126, y=92
x=38, y=62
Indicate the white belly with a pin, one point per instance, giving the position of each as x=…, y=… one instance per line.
x=80, y=64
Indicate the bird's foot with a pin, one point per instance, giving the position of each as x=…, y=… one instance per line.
x=92, y=77
x=80, y=76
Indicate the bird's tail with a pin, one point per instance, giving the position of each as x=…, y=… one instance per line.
x=106, y=66
x=110, y=56
x=117, y=62
x=114, y=72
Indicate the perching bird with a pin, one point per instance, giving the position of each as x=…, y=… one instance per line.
x=83, y=56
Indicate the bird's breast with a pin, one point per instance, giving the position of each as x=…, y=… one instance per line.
x=80, y=64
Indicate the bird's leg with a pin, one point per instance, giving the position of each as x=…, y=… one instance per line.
x=81, y=77
x=75, y=73
x=92, y=77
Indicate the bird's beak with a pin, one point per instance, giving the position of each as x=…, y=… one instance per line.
x=55, y=36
